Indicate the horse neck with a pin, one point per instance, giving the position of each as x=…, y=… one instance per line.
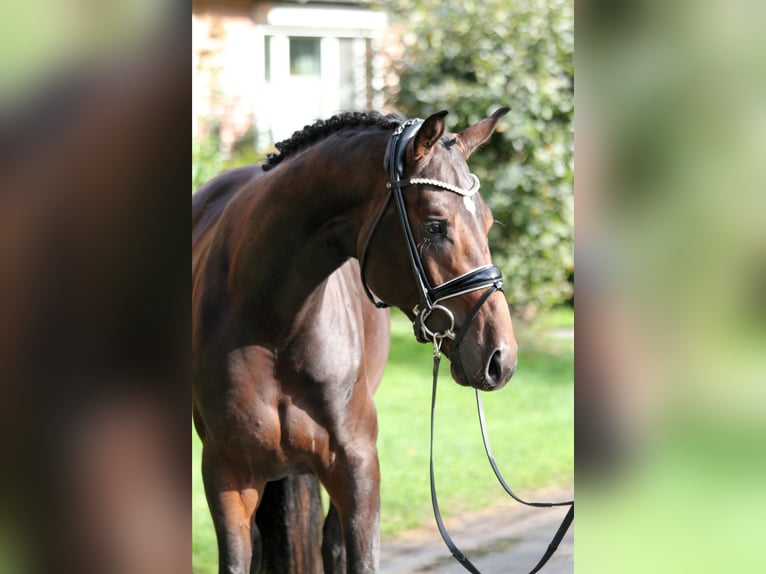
x=304, y=222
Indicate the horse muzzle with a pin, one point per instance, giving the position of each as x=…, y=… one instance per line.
x=485, y=353
x=489, y=373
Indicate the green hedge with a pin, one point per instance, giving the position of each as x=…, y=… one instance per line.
x=471, y=57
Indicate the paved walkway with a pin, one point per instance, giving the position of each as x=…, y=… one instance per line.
x=508, y=540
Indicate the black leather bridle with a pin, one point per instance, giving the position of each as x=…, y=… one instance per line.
x=487, y=277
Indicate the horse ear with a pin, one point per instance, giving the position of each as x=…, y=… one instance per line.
x=471, y=138
x=428, y=134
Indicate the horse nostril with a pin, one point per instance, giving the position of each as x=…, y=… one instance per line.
x=495, y=367
x=499, y=368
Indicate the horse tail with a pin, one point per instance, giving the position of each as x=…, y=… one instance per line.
x=289, y=524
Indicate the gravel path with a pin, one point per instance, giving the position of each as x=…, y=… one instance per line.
x=506, y=540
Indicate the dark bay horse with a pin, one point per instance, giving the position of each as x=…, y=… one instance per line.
x=288, y=350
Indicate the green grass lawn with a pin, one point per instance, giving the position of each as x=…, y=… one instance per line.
x=530, y=422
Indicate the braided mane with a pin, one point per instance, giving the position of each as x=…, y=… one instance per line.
x=319, y=130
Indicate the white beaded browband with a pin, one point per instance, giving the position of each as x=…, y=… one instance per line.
x=448, y=186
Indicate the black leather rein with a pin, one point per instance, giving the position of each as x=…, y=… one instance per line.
x=487, y=277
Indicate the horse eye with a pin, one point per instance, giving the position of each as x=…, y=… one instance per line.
x=436, y=228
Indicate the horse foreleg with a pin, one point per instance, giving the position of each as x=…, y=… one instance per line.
x=232, y=507
x=354, y=487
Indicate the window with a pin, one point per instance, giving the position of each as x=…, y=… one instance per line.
x=305, y=59
x=347, y=78
x=267, y=58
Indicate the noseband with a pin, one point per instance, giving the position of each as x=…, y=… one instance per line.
x=486, y=277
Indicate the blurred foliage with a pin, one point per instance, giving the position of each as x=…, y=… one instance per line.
x=209, y=159
x=471, y=57
x=670, y=351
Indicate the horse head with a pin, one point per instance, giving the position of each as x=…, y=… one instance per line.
x=453, y=297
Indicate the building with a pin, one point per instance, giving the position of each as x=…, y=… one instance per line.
x=263, y=69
